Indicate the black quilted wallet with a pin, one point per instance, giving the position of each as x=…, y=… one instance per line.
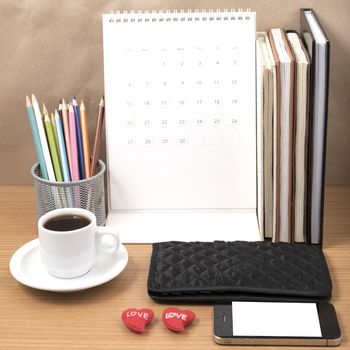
x=223, y=271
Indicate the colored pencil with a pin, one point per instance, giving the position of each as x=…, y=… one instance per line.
x=44, y=145
x=36, y=137
x=62, y=147
x=67, y=136
x=73, y=143
x=53, y=150
x=53, y=123
x=97, y=142
x=79, y=139
x=45, y=110
x=85, y=135
x=60, y=110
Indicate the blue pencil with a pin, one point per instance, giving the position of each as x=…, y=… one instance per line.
x=62, y=147
x=79, y=140
x=36, y=137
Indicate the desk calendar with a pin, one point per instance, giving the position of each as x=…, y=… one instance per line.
x=181, y=124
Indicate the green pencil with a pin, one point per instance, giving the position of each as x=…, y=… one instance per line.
x=53, y=149
x=53, y=125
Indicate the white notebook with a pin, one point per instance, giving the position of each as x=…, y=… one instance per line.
x=180, y=121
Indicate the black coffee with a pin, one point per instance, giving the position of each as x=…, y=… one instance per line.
x=66, y=223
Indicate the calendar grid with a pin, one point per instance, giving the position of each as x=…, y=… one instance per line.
x=180, y=110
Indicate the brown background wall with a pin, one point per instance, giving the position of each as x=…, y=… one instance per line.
x=54, y=49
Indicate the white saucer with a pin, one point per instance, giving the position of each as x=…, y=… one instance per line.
x=26, y=268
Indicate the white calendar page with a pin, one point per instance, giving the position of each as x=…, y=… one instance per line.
x=180, y=110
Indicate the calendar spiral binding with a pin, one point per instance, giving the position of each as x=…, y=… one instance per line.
x=180, y=15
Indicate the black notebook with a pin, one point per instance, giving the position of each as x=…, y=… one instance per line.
x=317, y=45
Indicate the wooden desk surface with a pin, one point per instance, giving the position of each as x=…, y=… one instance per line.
x=91, y=319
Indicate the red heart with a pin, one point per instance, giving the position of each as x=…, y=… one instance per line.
x=176, y=320
x=137, y=319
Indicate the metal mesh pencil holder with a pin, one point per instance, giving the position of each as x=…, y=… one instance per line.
x=86, y=194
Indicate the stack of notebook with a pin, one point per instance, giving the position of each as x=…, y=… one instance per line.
x=292, y=94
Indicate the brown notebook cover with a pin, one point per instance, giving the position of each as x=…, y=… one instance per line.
x=295, y=116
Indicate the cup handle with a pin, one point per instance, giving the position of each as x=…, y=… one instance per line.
x=107, y=241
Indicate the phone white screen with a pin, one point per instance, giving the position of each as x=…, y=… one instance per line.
x=269, y=319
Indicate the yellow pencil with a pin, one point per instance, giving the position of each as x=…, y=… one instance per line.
x=85, y=137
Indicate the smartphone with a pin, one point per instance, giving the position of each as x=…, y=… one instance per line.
x=276, y=323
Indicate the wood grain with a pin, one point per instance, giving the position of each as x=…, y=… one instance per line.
x=91, y=319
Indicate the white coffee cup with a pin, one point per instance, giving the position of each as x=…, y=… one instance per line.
x=71, y=251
